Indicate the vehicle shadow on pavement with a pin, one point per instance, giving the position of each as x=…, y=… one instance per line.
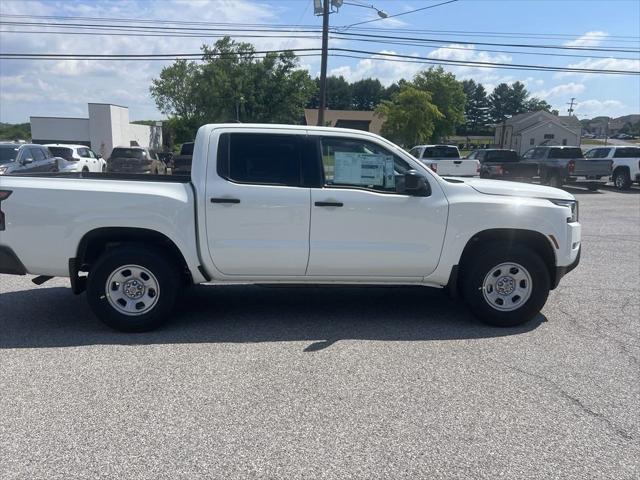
x=54, y=317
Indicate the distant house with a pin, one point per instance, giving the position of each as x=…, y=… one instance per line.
x=531, y=129
x=366, y=120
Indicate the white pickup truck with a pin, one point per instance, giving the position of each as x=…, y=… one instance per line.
x=626, y=163
x=288, y=204
x=445, y=160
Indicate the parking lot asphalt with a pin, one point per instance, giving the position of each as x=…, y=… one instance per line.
x=323, y=383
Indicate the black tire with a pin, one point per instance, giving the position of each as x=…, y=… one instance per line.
x=554, y=180
x=85, y=170
x=157, y=263
x=104, y=169
x=482, y=262
x=622, y=179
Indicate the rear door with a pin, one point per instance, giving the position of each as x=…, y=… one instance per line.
x=362, y=224
x=257, y=210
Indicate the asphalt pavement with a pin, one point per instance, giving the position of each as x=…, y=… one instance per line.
x=333, y=383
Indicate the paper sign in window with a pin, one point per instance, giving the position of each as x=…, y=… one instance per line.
x=368, y=169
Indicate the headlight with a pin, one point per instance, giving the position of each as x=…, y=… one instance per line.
x=572, y=204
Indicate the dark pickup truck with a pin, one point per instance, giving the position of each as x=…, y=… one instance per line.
x=504, y=165
x=182, y=163
x=560, y=165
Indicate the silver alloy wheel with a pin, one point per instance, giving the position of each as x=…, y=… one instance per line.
x=619, y=180
x=132, y=290
x=507, y=286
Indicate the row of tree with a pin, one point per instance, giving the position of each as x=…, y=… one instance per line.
x=233, y=83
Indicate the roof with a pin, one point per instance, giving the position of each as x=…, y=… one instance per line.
x=331, y=117
x=68, y=145
x=541, y=124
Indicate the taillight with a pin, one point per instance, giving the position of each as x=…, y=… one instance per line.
x=434, y=167
x=500, y=170
x=4, y=194
x=478, y=168
x=572, y=166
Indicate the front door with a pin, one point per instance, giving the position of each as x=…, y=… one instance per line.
x=257, y=209
x=362, y=224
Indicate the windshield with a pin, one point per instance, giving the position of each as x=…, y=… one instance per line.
x=127, y=153
x=565, y=153
x=502, y=156
x=441, y=152
x=8, y=153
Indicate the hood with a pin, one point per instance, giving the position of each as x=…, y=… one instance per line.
x=515, y=189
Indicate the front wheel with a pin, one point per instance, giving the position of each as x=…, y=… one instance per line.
x=555, y=181
x=132, y=289
x=507, y=286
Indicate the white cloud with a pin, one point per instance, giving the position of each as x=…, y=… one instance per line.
x=384, y=70
x=600, y=64
x=589, y=39
x=564, y=89
x=593, y=108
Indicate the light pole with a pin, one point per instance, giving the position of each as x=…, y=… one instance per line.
x=324, y=11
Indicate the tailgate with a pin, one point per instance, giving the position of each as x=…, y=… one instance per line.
x=595, y=167
x=457, y=167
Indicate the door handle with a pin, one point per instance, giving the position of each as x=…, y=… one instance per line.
x=329, y=204
x=225, y=200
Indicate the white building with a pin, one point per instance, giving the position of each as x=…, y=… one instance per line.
x=526, y=130
x=107, y=127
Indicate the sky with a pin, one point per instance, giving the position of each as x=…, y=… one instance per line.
x=64, y=87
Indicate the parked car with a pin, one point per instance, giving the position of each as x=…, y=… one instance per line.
x=626, y=163
x=26, y=158
x=166, y=158
x=77, y=158
x=503, y=165
x=182, y=162
x=559, y=165
x=445, y=160
x=294, y=204
x=135, y=160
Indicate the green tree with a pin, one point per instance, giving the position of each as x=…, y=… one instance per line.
x=517, y=99
x=339, y=94
x=448, y=95
x=535, y=104
x=231, y=83
x=366, y=94
x=476, y=110
x=15, y=131
x=410, y=116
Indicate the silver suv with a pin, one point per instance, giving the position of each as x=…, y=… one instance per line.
x=26, y=158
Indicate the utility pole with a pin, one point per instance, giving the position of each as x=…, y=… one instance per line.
x=571, y=105
x=323, y=62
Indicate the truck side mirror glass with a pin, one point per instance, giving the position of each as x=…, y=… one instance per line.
x=415, y=184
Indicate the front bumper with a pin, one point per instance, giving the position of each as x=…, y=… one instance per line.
x=562, y=271
x=10, y=263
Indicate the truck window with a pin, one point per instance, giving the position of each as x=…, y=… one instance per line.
x=260, y=158
x=62, y=152
x=502, y=156
x=415, y=152
x=37, y=154
x=565, y=153
x=357, y=163
x=441, y=151
x=627, y=152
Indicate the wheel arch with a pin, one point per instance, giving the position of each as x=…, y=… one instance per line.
x=532, y=239
x=95, y=242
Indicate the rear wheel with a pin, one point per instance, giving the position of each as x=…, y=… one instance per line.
x=554, y=180
x=507, y=286
x=132, y=289
x=622, y=179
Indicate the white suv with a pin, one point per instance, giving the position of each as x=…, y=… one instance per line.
x=77, y=158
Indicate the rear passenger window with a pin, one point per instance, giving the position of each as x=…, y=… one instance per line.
x=266, y=159
x=627, y=152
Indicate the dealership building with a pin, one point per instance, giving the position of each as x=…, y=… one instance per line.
x=108, y=126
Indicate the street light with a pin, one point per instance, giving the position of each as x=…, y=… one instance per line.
x=322, y=8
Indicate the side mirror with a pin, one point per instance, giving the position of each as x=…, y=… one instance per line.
x=98, y=156
x=415, y=184
x=26, y=161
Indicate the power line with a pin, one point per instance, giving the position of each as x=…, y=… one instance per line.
x=142, y=28
x=398, y=14
x=293, y=36
x=634, y=39
x=373, y=56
